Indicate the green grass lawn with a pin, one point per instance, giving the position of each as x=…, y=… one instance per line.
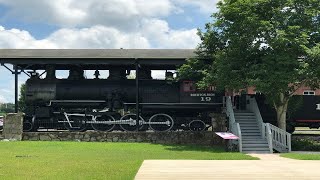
x=301, y=156
x=83, y=160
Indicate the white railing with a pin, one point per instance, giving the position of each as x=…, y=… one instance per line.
x=233, y=126
x=267, y=135
x=281, y=139
x=253, y=107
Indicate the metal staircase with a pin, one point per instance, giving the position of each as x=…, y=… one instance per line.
x=252, y=141
x=255, y=136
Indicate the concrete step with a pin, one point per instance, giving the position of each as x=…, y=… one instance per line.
x=242, y=111
x=246, y=128
x=246, y=122
x=251, y=138
x=255, y=149
x=256, y=152
x=250, y=130
x=255, y=145
x=244, y=133
x=249, y=126
x=244, y=114
x=246, y=119
x=256, y=141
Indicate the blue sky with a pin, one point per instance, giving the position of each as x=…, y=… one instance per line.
x=36, y=24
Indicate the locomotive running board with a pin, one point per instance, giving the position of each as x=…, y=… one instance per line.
x=174, y=103
x=75, y=101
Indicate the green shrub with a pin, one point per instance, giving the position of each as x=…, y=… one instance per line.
x=305, y=145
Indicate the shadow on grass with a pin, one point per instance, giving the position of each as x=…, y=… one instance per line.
x=212, y=149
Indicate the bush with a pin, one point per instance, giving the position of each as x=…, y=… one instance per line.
x=305, y=145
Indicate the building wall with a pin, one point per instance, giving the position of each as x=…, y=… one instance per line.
x=251, y=90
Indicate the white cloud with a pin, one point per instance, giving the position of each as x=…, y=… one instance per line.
x=121, y=14
x=15, y=38
x=97, y=37
x=161, y=36
x=205, y=6
x=155, y=34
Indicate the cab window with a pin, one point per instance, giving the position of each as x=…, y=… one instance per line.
x=188, y=86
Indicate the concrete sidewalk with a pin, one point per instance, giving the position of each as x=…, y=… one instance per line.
x=270, y=166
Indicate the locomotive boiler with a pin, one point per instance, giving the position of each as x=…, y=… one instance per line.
x=77, y=103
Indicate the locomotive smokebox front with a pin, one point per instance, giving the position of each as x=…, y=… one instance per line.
x=40, y=91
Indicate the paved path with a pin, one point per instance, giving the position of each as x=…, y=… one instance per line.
x=270, y=166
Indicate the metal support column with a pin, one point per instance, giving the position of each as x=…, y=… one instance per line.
x=16, y=95
x=137, y=95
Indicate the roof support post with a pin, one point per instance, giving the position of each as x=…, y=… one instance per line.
x=137, y=95
x=16, y=95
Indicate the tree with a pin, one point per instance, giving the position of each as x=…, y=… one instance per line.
x=272, y=45
x=7, y=108
x=22, y=102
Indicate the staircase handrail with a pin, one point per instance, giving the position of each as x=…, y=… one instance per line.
x=234, y=127
x=268, y=134
x=253, y=107
x=240, y=137
x=281, y=139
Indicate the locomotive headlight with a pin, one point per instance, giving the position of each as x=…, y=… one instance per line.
x=318, y=107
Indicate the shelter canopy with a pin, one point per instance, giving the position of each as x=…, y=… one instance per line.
x=95, y=58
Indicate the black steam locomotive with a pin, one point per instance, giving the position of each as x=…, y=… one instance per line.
x=78, y=104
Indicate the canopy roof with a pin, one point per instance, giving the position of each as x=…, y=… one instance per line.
x=95, y=58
